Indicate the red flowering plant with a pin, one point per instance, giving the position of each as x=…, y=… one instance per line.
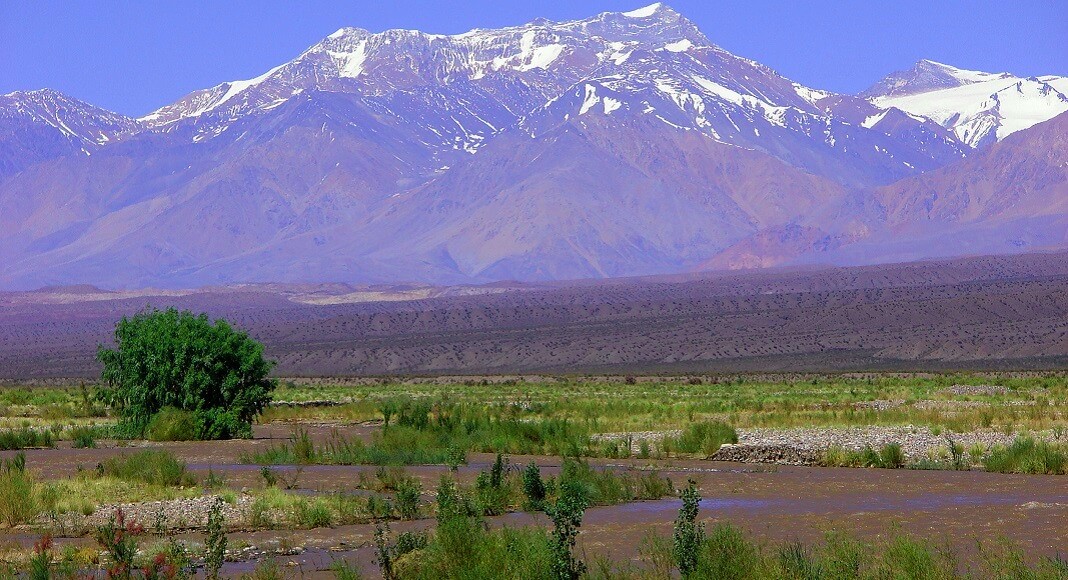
x=161, y=568
x=41, y=561
x=118, y=538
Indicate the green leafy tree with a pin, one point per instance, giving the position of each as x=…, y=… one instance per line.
x=177, y=360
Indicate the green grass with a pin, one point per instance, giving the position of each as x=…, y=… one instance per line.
x=153, y=467
x=428, y=435
x=84, y=492
x=704, y=438
x=1026, y=455
x=18, y=498
x=1032, y=401
x=275, y=508
x=171, y=424
x=25, y=438
x=889, y=456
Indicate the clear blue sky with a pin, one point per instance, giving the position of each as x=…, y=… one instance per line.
x=133, y=56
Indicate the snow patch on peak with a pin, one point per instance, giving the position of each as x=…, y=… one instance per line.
x=350, y=64
x=591, y=99
x=810, y=95
x=679, y=46
x=873, y=120
x=644, y=12
x=238, y=87
x=532, y=57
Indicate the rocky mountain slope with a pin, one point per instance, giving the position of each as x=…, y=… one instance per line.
x=624, y=144
x=41, y=125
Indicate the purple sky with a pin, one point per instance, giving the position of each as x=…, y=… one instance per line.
x=133, y=56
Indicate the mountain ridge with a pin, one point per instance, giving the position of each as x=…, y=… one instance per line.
x=624, y=144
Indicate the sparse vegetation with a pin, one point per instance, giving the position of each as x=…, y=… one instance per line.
x=607, y=439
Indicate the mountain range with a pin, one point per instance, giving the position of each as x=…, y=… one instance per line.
x=620, y=145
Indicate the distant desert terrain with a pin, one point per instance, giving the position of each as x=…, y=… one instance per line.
x=1006, y=312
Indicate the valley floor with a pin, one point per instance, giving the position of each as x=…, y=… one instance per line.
x=323, y=471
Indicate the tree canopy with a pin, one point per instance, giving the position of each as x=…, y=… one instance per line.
x=166, y=359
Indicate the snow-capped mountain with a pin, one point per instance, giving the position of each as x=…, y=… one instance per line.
x=39, y=125
x=457, y=91
x=980, y=108
x=623, y=144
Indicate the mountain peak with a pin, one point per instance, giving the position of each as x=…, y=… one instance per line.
x=58, y=106
x=354, y=60
x=42, y=96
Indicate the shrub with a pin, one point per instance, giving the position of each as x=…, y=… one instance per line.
x=407, y=497
x=566, y=515
x=409, y=542
x=956, y=454
x=160, y=568
x=176, y=359
x=213, y=480
x=383, y=551
x=533, y=487
x=794, y=561
x=83, y=438
x=313, y=514
x=41, y=560
x=455, y=456
x=727, y=554
x=907, y=557
x=16, y=463
x=269, y=478
x=345, y=571
x=652, y=486
x=891, y=456
x=493, y=494
x=609, y=487
x=214, y=541
x=503, y=553
x=688, y=535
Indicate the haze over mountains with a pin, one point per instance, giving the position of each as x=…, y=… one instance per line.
x=625, y=144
